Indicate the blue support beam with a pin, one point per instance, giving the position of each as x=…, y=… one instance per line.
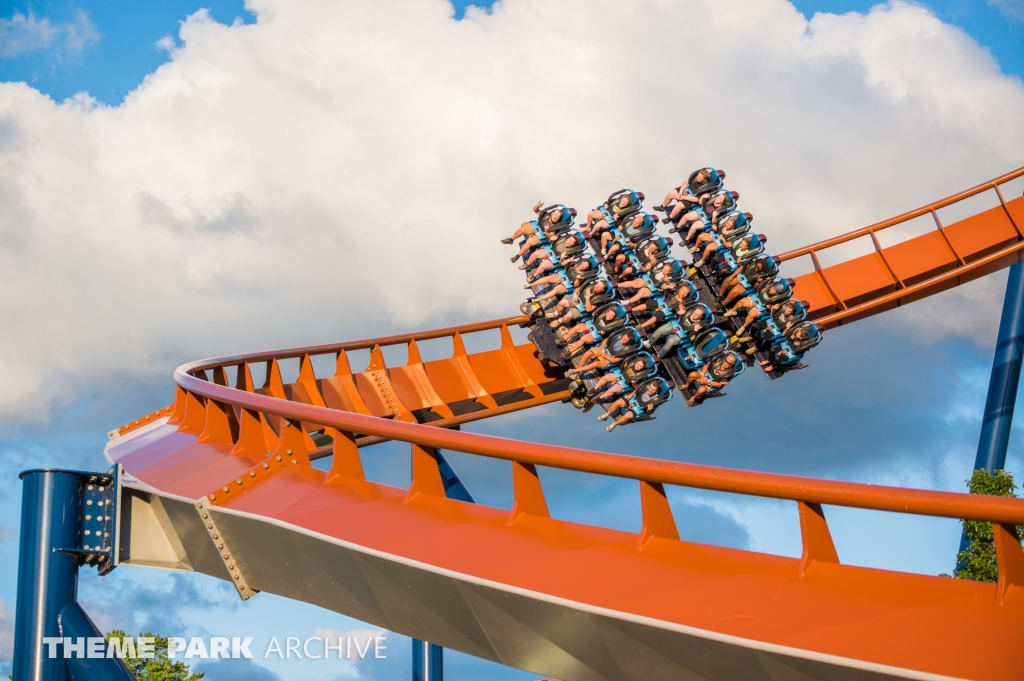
x=1002, y=385
x=68, y=519
x=47, y=579
x=427, y=661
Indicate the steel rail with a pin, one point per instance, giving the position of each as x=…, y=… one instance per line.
x=837, y=318
x=364, y=344
x=771, y=485
x=910, y=215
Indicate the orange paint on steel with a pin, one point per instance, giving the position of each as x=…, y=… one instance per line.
x=914, y=268
x=808, y=490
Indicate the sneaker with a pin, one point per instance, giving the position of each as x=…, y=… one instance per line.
x=659, y=208
x=603, y=417
x=730, y=313
x=610, y=428
x=514, y=258
x=507, y=242
x=523, y=266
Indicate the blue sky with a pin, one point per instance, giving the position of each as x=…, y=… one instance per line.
x=882, y=402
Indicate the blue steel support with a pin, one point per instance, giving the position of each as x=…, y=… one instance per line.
x=75, y=624
x=427, y=661
x=427, y=658
x=47, y=579
x=1002, y=384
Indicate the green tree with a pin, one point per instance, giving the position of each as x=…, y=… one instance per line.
x=159, y=668
x=978, y=560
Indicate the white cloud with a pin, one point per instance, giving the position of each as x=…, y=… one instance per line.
x=337, y=169
x=23, y=33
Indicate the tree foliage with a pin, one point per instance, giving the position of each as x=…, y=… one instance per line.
x=159, y=668
x=978, y=560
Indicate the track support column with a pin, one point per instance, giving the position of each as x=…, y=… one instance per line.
x=427, y=661
x=51, y=506
x=1002, y=384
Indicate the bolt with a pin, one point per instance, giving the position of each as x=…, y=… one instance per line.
x=225, y=489
x=205, y=516
x=279, y=457
x=289, y=452
x=88, y=502
x=215, y=535
x=266, y=467
x=231, y=566
x=88, y=517
x=87, y=533
x=236, y=576
x=213, y=497
x=200, y=504
x=220, y=547
x=252, y=474
x=209, y=526
x=226, y=556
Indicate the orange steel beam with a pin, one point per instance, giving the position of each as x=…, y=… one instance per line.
x=808, y=490
x=914, y=268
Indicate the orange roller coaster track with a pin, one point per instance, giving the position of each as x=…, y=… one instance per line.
x=226, y=485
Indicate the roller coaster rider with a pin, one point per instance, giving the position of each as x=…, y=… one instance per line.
x=596, y=358
x=768, y=298
x=592, y=295
x=562, y=253
x=785, y=354
x=712, y=376
x=750, y=276
x=639, y=404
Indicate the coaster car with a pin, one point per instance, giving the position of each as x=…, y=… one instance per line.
x=624, y=202
x=712, y=184
x=606, y=326
x=706, y=345
x=563, y=222
x=624, y=342
x=748, y=248
x=774, y=291
x=734, y=225
x=646, y=254
x=643, y=404
x=635, y=233
x=639, y=367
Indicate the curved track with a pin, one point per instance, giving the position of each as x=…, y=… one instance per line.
x=225, y=487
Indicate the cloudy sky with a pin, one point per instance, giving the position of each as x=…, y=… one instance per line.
x=179, y=182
